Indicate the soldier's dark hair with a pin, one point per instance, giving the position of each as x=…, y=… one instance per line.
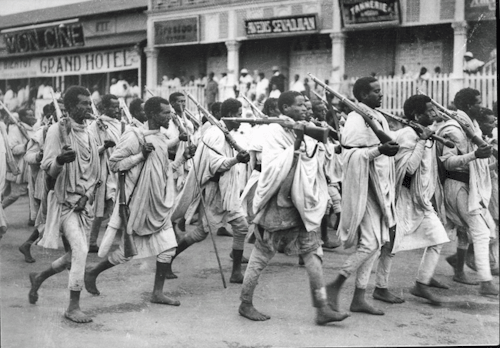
x=230, y=105
x=362, y=85
x=153, y=106
x=287, y=98
x=465, y=98
x=71, y=96
x=416, y=104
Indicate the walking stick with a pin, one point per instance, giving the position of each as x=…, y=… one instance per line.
x=208, y=222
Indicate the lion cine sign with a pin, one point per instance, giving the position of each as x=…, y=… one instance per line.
x=41, y=39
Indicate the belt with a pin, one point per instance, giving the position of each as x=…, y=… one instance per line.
x=458, y=176
x=407, y=181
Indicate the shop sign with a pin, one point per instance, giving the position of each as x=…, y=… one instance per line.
x=70, y=64
x=362, y=13
x=476, y=10
x=43, y=39
x=282, y=25
x=176, y=31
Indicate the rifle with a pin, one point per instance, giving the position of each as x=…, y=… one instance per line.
x=465, y=127
x=369, y=119
x=215, y=122
x=318, y=133
x=125, y=110
x=418, y=128
x=254, y=108
x=192, y=118
x=325, y=102
x=14, y=121
x=129, y=248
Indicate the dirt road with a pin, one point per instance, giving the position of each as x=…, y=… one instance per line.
x=208, y=317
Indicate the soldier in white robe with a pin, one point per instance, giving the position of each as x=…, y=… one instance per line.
x=289, y=202
x=142, y=156
x=71, y=159
x=368, y=207
x=106, y=129
x=467, y=189
x=419, y=225
x=213, y=192
x=18, y=144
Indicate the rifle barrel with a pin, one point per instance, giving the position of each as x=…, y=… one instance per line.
x=381, y=135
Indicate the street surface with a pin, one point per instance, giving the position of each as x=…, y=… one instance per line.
x=208, y=315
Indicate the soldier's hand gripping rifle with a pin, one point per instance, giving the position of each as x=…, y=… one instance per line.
x=255, y=109
x=418, y=128
x=215, y=122
x=469, y=132
x=370, y=121
x=318, y=133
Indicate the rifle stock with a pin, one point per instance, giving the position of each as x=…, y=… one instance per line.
x=370, y=121
x=129, y=248
x=213, y=121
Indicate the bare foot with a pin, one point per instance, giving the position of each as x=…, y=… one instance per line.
x=326, y=315
x=248, y=311
x=77, y=316
x=422, y=290
x=333, y=292
x=363, y=307
x=25, y=249
x=162, y=299
x=236, y=278
x=462, y=278
x=383, y=294
x=90, y=283
x=488, y=289
x=35, y=285
x=437, y=284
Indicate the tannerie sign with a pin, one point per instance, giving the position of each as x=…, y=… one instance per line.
x=47, y=38
x=281, y=25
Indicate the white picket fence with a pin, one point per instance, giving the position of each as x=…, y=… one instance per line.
x=197, y=92
x=396, y=89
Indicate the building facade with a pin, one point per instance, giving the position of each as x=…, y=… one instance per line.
x=328, y=38
x=87, y=44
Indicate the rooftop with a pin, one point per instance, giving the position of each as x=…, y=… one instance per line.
x=83, y=9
